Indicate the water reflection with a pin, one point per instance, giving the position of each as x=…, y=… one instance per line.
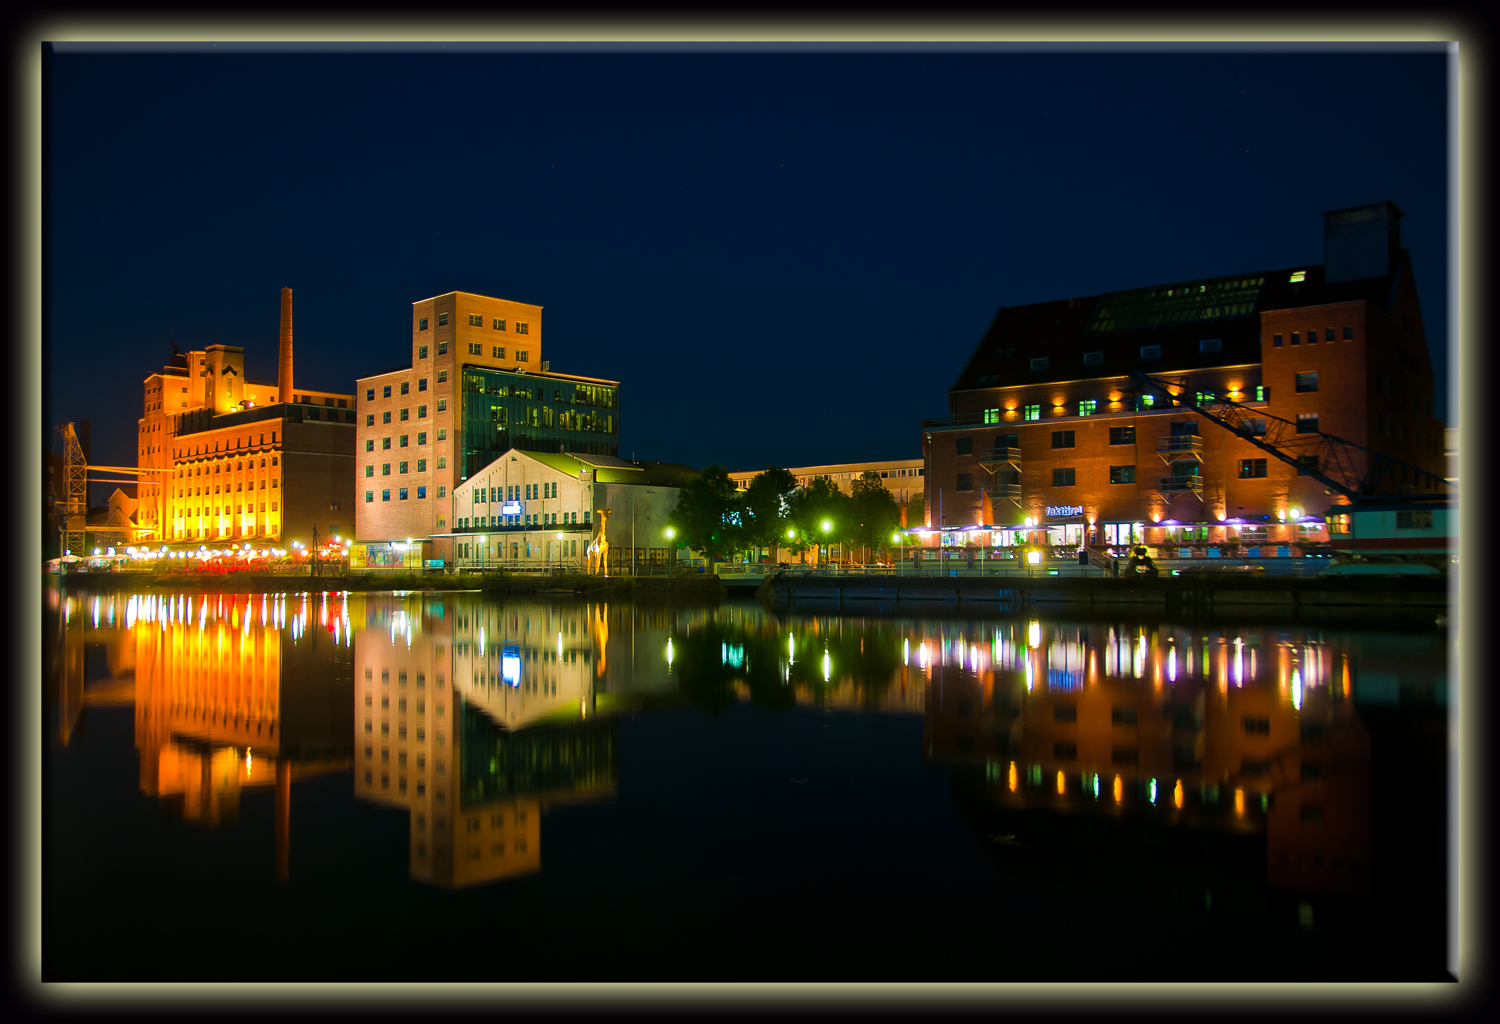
x=473, y=717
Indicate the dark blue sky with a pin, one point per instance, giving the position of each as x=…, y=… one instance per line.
x=785, y=257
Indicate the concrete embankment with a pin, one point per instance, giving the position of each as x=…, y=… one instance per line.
x=592, y=587
x=1424, y=597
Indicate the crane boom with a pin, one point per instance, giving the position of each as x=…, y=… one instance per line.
x=1326, y=458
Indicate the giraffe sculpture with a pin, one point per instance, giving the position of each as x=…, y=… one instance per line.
x=598, y=552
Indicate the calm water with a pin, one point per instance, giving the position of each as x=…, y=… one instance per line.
x=447, y=786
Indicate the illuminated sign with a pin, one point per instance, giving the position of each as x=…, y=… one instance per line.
x=511, y=508
x=510, y=665
x=1064, y=510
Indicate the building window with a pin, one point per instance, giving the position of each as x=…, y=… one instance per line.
x=369, y=495
x=442, y=492
x=992, y=416
x=442, y=319
x=1252, y=468
x=497, y=351
x=1348, y=334
x=1261, y=391
x=522, y=355
x=1210, y=345
x=1307, y=381
x=476, y=320
x=442, y=377
x=442, y=459
x=1062, y=477
x=1087, y=407
x=403, y=494
x=965, y=481
x=1296, y=338
x=370, y=470
x=442, y=407
x=523, y=328
x=1414, y=520
x=1122, y=474
x=1062, y=439
x=1122, y=435
x=421, y=437
x=369, y=444
x=475, y=348
x=422, y=324
x=1145, y=401
x=421, y=412
x=385, y=469
x=385, y=495
x=499, y=323
x=385, y=417
x=1307, y=464
x=1275, y=341
x=1150, y=351
x=421, y=465
x=965, y=445
x=385, y=444
x=1039, y=363
x=422, y=384
x=369, y=419
x=1093, y=359
x=442, y=348
x=1033, y=412
x=1307, y=423
x=369, y=394
x=401, y=467
x=1328, y=334
x=421, y=351
x=405, y=387
x=404, y=415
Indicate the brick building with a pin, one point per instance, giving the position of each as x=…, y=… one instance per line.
x=476, y=388
x=238, y=460
x=1051, y=441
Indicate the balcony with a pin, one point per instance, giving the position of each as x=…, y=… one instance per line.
x=1180, y=447
x=1169, y=485
x=1000, y=457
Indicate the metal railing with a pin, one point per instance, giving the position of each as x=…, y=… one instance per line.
x=1180, y=444
x=1000, y=455
x=1180, y=484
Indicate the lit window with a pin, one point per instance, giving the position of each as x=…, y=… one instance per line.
x=1298, y=276
x=476, y=320
x=1122, y=474
x=1033, y=412
x=1307, y=381
x=1252, y=468
x=1307, y=423
x=1087, y=407
x=992, y=416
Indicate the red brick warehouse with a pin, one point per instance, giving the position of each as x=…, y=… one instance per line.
x=1051, y=441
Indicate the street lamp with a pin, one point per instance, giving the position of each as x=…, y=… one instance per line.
x=672, y=563
x=481, y=553
x=827, y=548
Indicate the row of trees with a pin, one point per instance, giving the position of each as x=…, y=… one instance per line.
x=714, y=517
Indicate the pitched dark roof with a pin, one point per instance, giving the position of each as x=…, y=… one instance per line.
x=1111, y=334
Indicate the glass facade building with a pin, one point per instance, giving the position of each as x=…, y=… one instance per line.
x=502, y=410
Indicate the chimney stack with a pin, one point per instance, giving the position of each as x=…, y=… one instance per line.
x=284, y=365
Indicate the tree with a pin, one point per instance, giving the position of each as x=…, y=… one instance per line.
x=820, y=502
x=708, y=516
x=875, y=513
x=916, y=510
x=768, y=502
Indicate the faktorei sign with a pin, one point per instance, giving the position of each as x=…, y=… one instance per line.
x=1064, y=510
x=511, y=508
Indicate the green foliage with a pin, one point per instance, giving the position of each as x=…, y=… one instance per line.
x=709, y=516
x=820, y=502
x=768, y=502
x=875, y=513
x=916, y=510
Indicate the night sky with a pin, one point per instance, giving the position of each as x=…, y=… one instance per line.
x=785, y=257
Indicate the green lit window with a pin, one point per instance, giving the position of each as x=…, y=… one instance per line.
x=1260, y=392
x=442, y=405
x=1087, y=407
x=421, y=465
x=1145, y=401
x=369, y=495
x=1205, y=397
x=1033, y=412
x=992, y=416
x=1122, y=474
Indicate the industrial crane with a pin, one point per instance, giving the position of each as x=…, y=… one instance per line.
x=1330, y=460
